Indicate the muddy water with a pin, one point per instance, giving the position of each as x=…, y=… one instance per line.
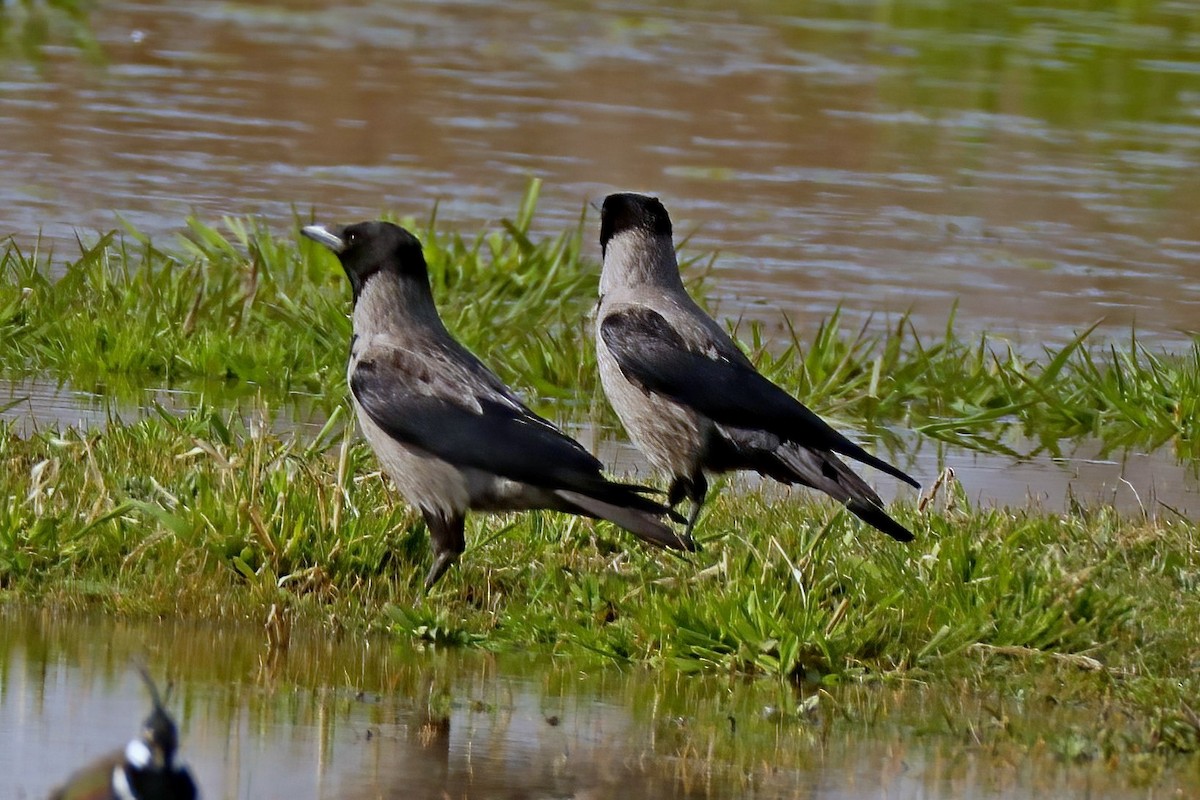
x=341, y=718
x=1034, y=162
x=1086, y=472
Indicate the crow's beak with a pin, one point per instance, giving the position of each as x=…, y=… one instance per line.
x=330, y=237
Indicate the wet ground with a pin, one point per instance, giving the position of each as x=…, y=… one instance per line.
x=1134, y=482
x=1034, y=162
x=335, y=717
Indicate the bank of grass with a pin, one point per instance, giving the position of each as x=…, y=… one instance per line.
x=206, y=515
x=203, y=516
x=250, y=309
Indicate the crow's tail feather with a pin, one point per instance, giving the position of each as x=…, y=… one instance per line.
x=876, y=517
x=827, y=473
x=640, y=521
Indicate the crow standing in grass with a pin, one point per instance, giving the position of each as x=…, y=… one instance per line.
x=690, y=399
x=450, y=434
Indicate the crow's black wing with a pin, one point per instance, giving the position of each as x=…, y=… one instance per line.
x=483, y=430
x=653, y=355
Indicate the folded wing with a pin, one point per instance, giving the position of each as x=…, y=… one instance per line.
x=494, y=433
x=651, y=354
x=488, y=433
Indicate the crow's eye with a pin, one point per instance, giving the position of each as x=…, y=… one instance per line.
x=351, y=237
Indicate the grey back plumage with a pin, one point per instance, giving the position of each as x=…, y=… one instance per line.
x=446, y=429
x=689, y=397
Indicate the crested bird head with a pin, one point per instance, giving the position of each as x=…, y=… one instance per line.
x=160, y=737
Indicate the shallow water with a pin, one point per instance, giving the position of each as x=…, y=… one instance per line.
x=1086, y=472
x=337, y=717
x=1033, y=162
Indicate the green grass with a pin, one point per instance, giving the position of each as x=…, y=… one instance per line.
x=249, y=310
x=204, y=515
x=198, y=516
x=28, y=26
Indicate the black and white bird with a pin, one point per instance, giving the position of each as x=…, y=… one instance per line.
x=145, y=770
x=448, y=432
x=689, y=397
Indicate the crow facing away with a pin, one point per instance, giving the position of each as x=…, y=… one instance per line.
x=688, y=396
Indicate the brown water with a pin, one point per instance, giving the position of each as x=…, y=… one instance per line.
x=1036, y=162
x=1134, y=482
x=335, y=717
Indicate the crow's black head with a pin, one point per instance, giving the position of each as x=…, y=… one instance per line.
x=629, y=211
x=368, y=248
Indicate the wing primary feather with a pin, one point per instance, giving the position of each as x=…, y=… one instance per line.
x=638, y=522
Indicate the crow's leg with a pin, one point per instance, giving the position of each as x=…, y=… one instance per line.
x=446, y=534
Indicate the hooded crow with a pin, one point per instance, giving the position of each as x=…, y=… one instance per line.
x=448, y=432
x=690, y=399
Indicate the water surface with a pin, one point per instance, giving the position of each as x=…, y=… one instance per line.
x=347, y=718
x=1026, y=474
x=1033, y=162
